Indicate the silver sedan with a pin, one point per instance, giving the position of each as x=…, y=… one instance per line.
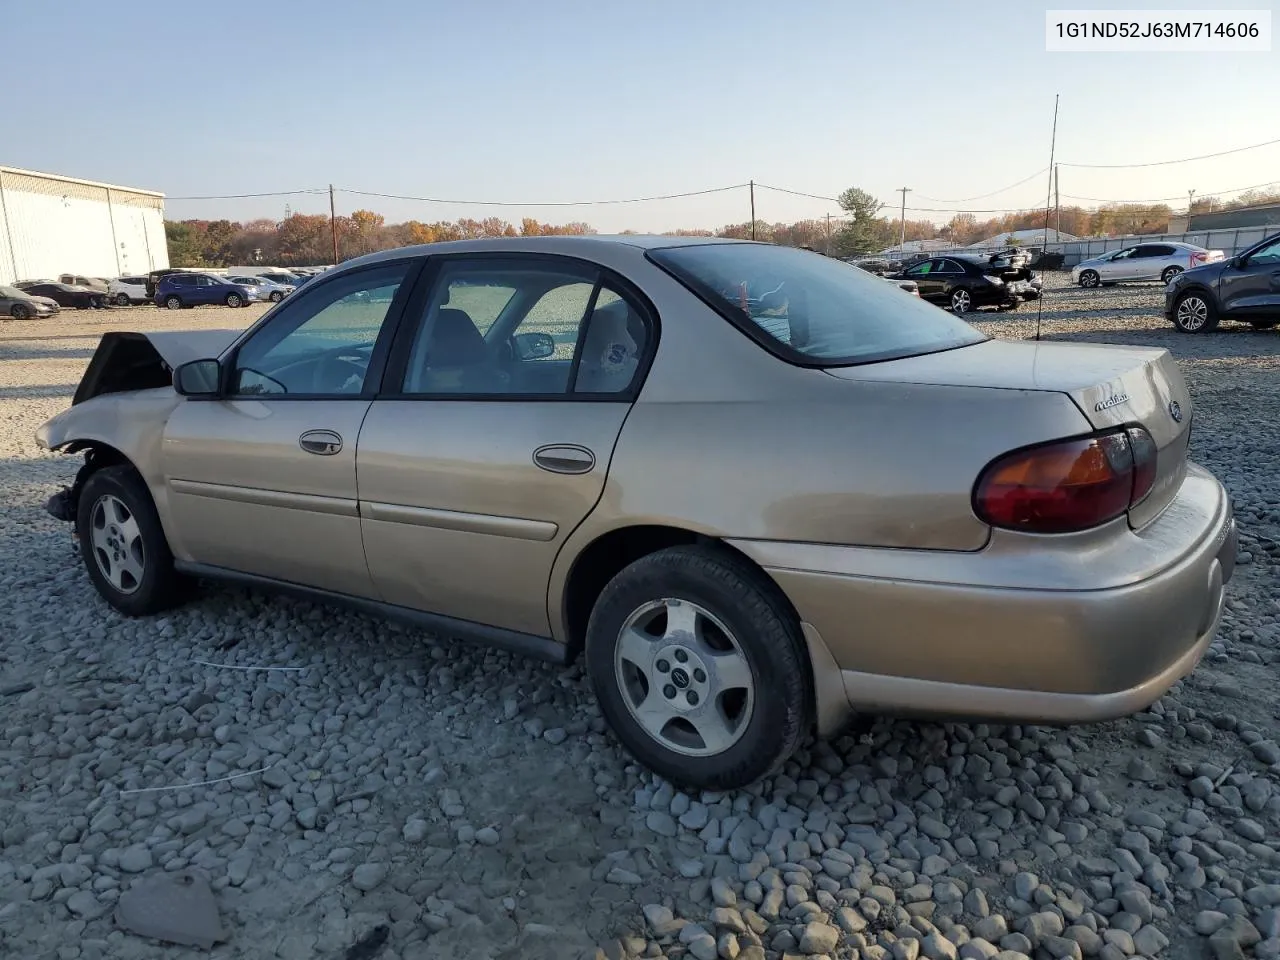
x=1146, y=261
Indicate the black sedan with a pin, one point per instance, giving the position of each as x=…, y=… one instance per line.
x=1245, y=287
x=66, y=295
x=961, y=283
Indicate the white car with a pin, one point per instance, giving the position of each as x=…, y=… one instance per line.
x=126, y=291
x=1147, y=261
x=268, y=289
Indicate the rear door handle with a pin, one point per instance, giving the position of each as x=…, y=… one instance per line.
x=564, y=458
x=324, y=443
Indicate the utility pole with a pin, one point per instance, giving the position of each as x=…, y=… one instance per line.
x=828, y=234
x=1057, y=203
x=1190, y=196
x=752, y=185
x=902, y=232
x=333, y=225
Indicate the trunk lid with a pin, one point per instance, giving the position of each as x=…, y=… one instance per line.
x=1111, y=385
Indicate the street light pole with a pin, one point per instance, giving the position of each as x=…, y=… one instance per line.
x=902, y=222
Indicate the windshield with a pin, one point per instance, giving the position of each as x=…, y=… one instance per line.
x=812, y=309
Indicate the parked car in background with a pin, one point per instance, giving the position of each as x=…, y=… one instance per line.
x=68, y=295
x=125, y=291
x=77, y=280
x=20, y=305
x=911, y=500
x=178, y=290
x=1146, y=261
x=268, y=289
x=23, y=284
x=1244, y=288
x=961, y=283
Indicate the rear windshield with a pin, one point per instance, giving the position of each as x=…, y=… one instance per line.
x=811, y=309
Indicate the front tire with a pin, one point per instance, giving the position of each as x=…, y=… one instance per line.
x=234, y=300
x=699, y=667
x=277, y=296
x=123, y=545
x=1195, y=313
x=20, y=311
x=1090, y=278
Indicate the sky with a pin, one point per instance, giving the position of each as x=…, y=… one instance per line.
x=570, y=100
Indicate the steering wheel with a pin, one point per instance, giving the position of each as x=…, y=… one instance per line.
x=342, y=371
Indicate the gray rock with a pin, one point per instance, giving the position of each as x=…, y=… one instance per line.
x=136, y=859
x=368, y=876
x=1149, y=941
x=661, y=823
x=85, y=905
x=819, y=938
x=937, y=947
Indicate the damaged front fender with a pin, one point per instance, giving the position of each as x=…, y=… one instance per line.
x=126, y=361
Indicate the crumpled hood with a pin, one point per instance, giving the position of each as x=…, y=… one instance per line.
x=127, y=361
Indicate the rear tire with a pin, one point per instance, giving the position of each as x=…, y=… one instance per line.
x=20, y=311
x=961, y=301
x=737, y=648
x=173, y=303
x=1169, y=274
x=1195, y=313
x=1090, y=278
x=123, y=544
x=122, y=300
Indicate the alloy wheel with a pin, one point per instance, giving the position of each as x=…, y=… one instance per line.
x=1192, y=314
x=684, y=677
x=117, y=543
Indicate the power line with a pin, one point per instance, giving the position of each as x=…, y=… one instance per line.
x=243, y=196
x=543, y=203
x=983, y=196
x=1215, y=193
x=1163, y=163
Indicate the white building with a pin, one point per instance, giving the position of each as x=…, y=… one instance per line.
x=50, y=225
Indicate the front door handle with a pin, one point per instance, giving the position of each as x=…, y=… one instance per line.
x=324, y=443
x=564, y=458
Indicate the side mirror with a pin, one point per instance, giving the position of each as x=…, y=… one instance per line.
x=1239, y=261
x=534, y=346
x=198, y=378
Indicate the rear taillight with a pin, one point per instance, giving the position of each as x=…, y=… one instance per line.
x=1067, y=485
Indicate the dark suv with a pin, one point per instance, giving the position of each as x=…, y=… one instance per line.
x=178, y=290
x=1245, y=287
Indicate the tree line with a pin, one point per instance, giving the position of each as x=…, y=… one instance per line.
x=863, y=227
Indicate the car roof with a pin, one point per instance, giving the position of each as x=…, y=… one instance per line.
x=569, y=245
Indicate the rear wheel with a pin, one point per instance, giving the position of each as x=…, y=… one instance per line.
x=961, y=301
x=173, y=303
x=123, y=545
x=1089, y=278
x=699, y=668
x=122, y=300
x=1194, y=313
x=234, y=300
x=1169, y=274
x=19, y=311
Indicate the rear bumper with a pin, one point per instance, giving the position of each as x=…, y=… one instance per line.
x=1069, y=630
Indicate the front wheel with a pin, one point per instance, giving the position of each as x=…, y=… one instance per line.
x=123, y=545
x=122, y=300
x=1090, y=278
x=19, y=311
x=961, y=301
x=276, y=296
x=234, y=300
x=1169, y=274
x=699, y=668
x=1195, y=313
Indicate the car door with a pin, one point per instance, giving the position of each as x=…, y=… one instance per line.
x=491, y=442
x=1250, y=290
x=929, y=285
x=1118, y=267
x=262, y=480
x=947, y=274
x=1145, y=263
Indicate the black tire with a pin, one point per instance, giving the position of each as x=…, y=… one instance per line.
x=20, y=311
x=1168, y=274
x=961, y=301
x=1190, y=318
x=276, y=296
x=1090, y=278
x=234, y=300
x=755, y=612
x=173, y=302
x=122, y=300
x=160, y=586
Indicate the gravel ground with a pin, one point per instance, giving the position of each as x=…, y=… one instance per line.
x=403, y=796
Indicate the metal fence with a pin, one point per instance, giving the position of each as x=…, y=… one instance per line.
x=1230, y=242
